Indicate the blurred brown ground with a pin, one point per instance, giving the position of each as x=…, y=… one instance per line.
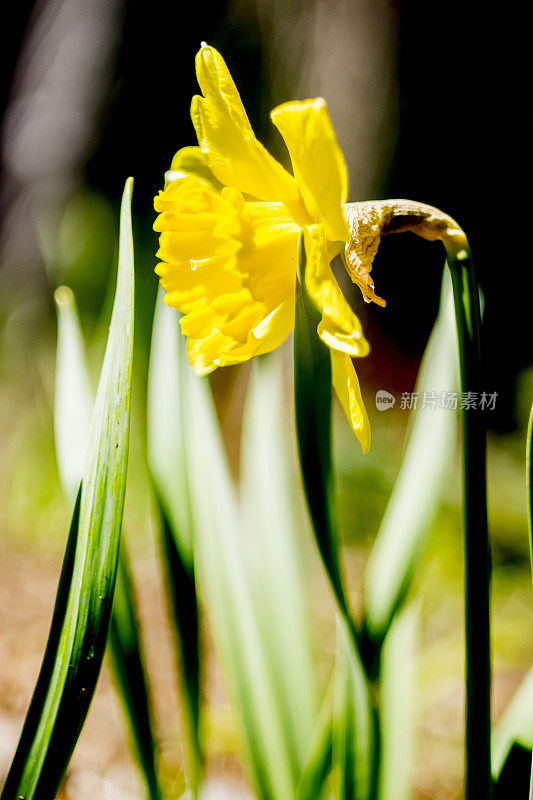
x=102, y=766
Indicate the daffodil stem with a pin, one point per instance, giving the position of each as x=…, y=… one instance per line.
x=478, y=781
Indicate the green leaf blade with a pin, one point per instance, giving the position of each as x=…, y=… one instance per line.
x=169, y=469
x=185, y=609
x=312, y=399
x=166, y=425
x=274, y=522
x=73, y=399
x=354, y=730
x=398, y=672
x=418, y=491
x=73, y=404
x=78, y=635
x=130, y=672
x=222, y=567
x=312, y=783
x=514, y=727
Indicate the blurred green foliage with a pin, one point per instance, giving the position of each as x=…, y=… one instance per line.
x=33, y=512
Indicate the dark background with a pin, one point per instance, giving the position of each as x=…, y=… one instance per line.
x=460, y=132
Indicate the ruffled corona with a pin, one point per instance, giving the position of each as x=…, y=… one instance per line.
x=229, y=221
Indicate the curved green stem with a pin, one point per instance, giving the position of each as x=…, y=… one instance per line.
x=478, y=782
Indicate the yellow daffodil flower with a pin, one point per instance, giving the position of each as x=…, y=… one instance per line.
x=229, y=221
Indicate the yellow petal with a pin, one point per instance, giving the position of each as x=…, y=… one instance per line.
x=346, y=385
x=274, y=329
x=192, y=161
x=339, y=328
x=224, y=133
x=317, y=162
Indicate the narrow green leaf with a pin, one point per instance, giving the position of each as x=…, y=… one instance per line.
x=398, y=707
x=167, y=457
x=529, y=485
x=129, y=667
x=73, y=397
x=529, y=494
x=223, y=567
x=312, y=398
x=515, y=778
x=181, y=583
x=354, y=738
x=354, y=731
x=312, y=783
x=514, y=727
x=72, y=415
x=78, y=634
x=418, y=491
x=277, y=554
